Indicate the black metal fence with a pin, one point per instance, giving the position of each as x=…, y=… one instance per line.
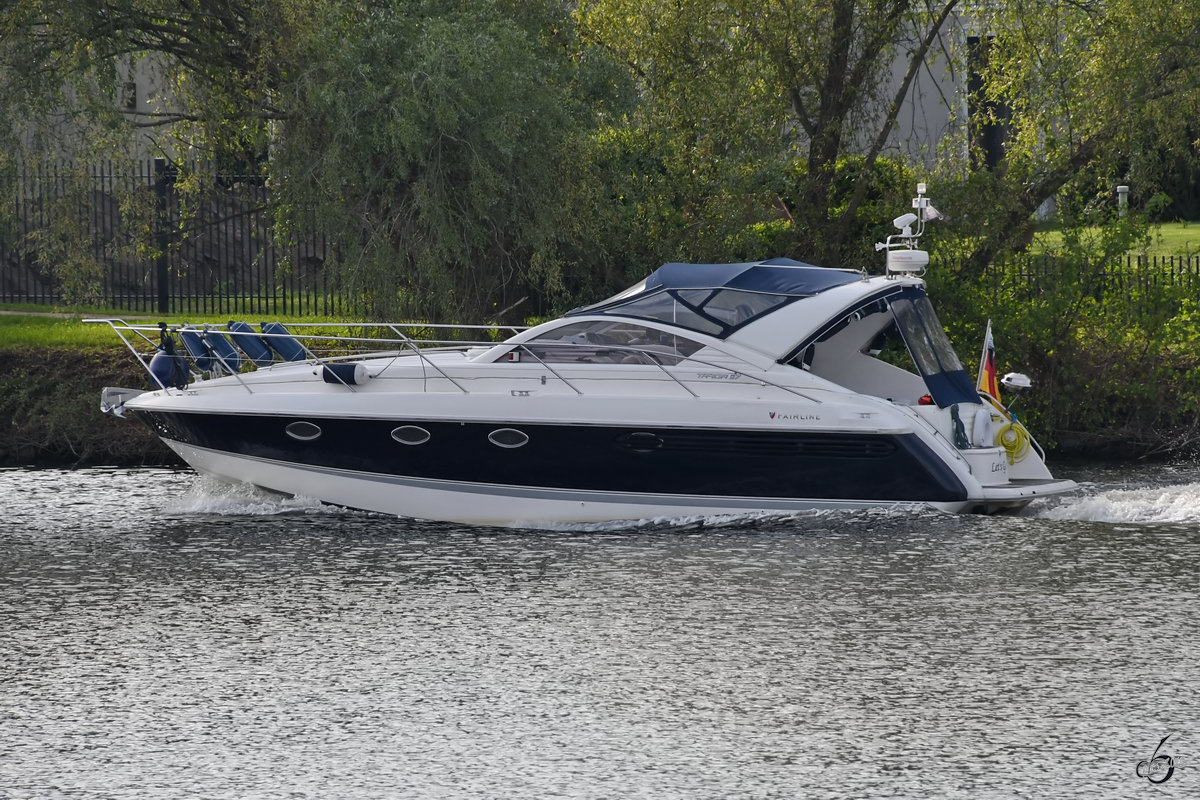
x=127, y=239
x=1143, y=284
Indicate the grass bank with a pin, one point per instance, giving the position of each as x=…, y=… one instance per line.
x=50, y=409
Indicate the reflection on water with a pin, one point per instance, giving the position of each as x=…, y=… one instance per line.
x=162, y=636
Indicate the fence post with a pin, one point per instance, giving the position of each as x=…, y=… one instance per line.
x=164, y=238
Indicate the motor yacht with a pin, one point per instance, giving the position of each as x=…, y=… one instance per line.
x=705, y=389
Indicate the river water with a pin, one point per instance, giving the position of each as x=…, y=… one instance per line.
x=162, y=636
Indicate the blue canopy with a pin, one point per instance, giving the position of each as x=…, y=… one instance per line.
x=781, y=277
x=776, y=275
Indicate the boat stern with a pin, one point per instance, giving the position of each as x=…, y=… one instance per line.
x=1016, y=494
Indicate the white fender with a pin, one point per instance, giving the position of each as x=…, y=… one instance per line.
x=981, y=430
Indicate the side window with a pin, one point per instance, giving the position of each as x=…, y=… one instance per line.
x=600, y=342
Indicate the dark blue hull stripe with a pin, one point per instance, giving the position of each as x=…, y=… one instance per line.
x=540, y=494
x=684, y=462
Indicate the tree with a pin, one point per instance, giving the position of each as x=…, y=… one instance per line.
x=66, y=62
x=771, y=102
x=65, y=69
x=832, y=60
x=1094, y=95
x=433, y=140
x=1098, y=93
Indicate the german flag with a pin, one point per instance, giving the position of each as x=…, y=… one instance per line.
x=987, y=382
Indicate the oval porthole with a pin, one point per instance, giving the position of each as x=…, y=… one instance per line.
x=410, y=434
x=303, y=431
x=508, y=437
x=641, y=442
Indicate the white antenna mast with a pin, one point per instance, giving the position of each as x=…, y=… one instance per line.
x=903, y=257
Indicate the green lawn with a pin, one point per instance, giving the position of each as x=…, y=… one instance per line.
x=31, y=326
x=43, y=326
x=1177, y=239
x=21, y=330
x=1169, y=239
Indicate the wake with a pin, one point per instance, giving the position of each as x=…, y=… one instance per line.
x=1159, y=504
x=209, y=495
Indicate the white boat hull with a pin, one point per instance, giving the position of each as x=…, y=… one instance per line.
x=522, y=506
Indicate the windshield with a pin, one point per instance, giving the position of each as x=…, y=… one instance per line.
x=717, y=312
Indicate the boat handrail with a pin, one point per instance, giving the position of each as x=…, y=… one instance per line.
x=422, y=348
x=911, y=412
x=643, y=355
x=124, y=326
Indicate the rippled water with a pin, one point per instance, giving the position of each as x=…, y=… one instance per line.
x=162, y=636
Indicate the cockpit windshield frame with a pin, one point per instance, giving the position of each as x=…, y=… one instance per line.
x=716, y=312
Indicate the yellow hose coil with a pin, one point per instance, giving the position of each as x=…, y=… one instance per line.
x=1013, y=437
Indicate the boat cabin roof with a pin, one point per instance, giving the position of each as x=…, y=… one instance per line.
x=718, y=299
x=839, y=313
